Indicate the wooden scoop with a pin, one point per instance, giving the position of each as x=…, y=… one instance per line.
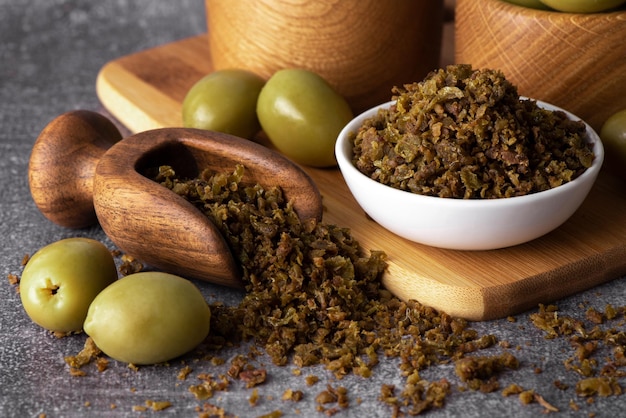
x=162, y=229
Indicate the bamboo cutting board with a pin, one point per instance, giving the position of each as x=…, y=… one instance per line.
x=145, y=91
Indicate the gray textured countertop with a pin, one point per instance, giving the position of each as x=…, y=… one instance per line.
x=50, y=54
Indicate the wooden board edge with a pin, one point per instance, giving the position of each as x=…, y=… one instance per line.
x=499, y=301
x=569, y=279
x=119, y=106
x=123, y=107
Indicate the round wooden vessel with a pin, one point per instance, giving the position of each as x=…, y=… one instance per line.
x=361, y=47
x=574, y=61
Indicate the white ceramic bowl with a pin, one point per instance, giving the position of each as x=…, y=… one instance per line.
x=477, y=224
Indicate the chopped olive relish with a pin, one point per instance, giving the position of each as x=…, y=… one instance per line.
x=465, y=133
x=312, y=297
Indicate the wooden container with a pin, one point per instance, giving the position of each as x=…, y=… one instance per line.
x=574, y=61
x=361, y=47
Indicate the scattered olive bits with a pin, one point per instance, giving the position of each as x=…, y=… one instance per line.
x=465, y=133
x=303, y=278
x=312, y=297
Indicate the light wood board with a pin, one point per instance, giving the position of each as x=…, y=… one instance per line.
x=145, y=91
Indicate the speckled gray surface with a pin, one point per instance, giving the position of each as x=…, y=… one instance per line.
x=50, y=53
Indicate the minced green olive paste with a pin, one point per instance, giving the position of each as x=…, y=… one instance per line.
x=466, y=133
x=313, y=297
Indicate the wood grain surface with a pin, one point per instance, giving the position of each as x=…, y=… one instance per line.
x=145, y=90
x=349, y=43
x=576, y=61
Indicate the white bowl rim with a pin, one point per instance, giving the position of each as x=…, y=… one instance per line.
x=344, y=160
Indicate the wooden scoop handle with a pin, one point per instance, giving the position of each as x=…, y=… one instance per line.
x=163, y=229
x=62, y=166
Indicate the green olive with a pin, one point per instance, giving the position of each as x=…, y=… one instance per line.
x=224, y=101
x=148, y=318
x=533, y=4
x=62, y=279
x=583, y=6
x=613, y=135
x=302, y=115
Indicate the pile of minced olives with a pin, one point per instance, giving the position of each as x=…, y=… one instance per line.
x=299, y=112
x=143, y=318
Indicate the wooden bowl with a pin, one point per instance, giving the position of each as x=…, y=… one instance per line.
x=574, y=61
x=361, y=47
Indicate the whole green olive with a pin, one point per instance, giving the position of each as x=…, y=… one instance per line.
x=533, y=4
x=302, y=115
x=60, y=281
x=583, y=6
x=224, y=101
x=148, y=318
x=613, y=136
